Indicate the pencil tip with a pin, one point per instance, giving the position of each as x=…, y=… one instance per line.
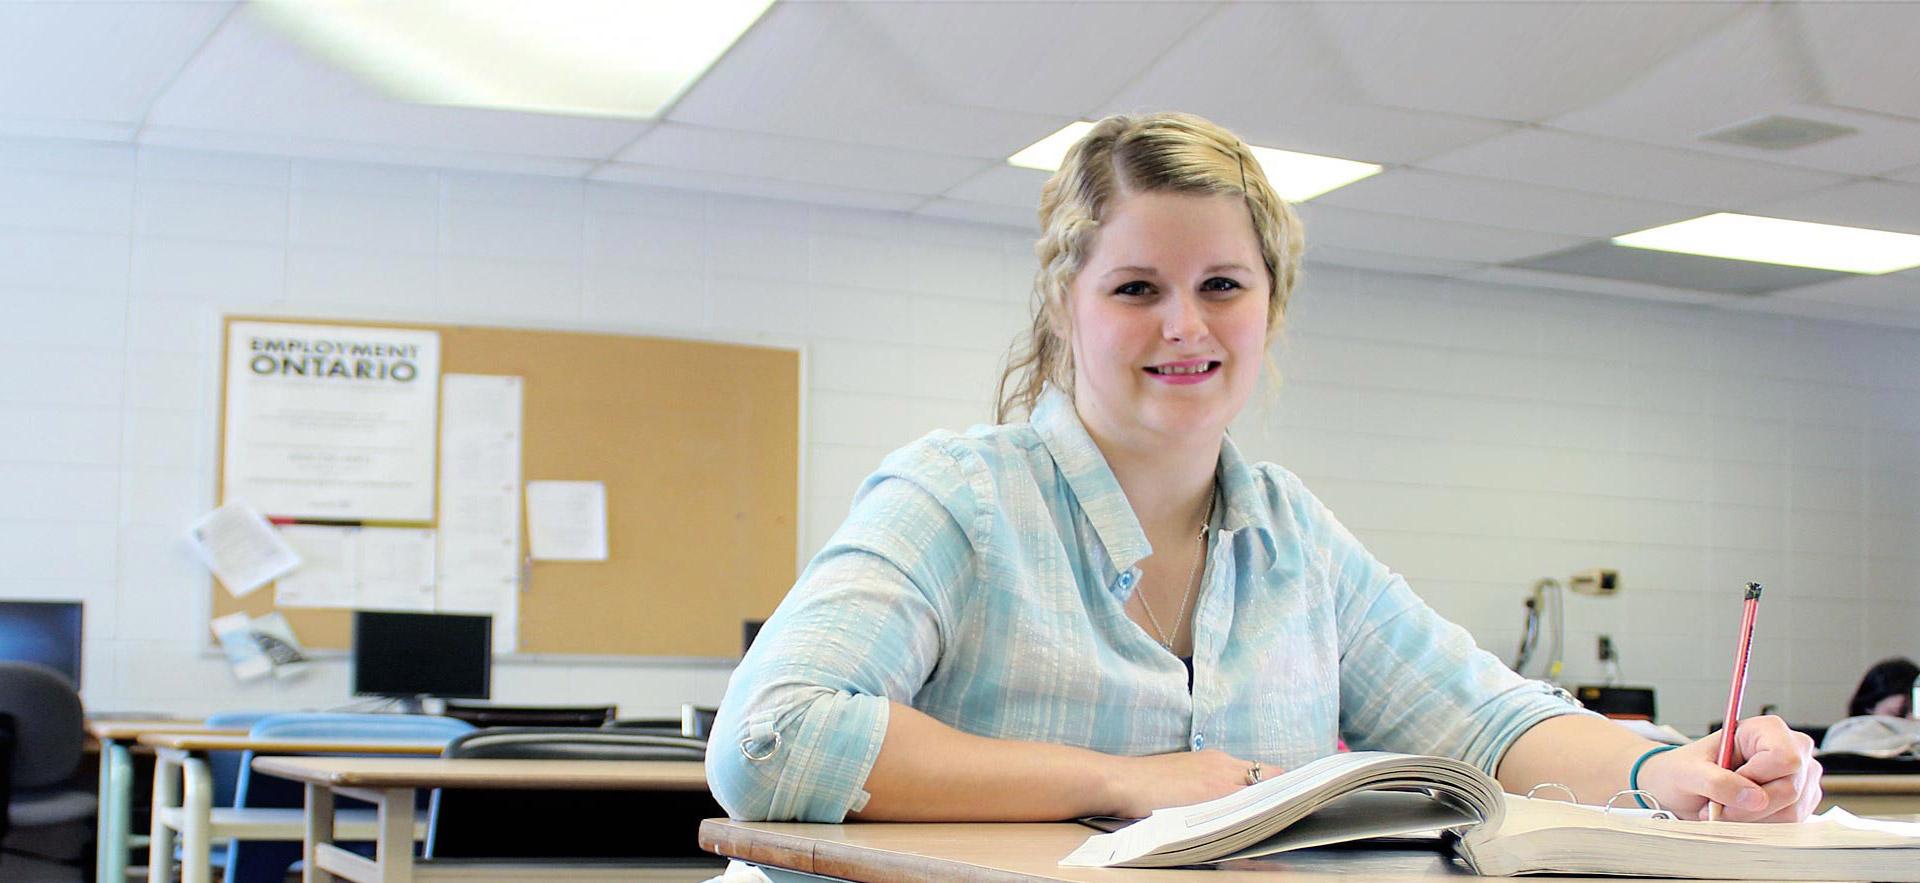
x=1753, y=591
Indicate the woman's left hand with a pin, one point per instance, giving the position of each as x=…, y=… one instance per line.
x=1774, y=776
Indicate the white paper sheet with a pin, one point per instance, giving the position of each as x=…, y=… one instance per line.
x=327, y=575
x=395, y=569
x=241, y=547
x=331, y=421
x=567, y=520
x=480, y=561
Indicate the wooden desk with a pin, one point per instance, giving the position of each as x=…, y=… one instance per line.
x=183, y=797
x=1866, y=794
x=115, y=742
x=389, y=784
x=1029, y=853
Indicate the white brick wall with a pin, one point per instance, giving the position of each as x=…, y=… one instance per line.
x=1476, y=437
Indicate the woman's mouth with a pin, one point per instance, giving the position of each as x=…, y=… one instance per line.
x=1189, y=371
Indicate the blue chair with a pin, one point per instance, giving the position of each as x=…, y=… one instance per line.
x=225, y=769
x=267, y=861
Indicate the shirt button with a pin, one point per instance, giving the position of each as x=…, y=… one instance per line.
x=1126, y=580
x=1199, y=741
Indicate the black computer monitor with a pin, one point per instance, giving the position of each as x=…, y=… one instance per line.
x=411, y=655
x=46, y=632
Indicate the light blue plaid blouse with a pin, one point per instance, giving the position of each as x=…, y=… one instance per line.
x=981, y=578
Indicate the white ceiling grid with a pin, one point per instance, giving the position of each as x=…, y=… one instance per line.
x=1509, y=130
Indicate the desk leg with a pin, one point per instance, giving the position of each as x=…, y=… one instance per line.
x=196, y=862
x=116, y=811
x=166, y=794
x=394, y=850
x=319, y=830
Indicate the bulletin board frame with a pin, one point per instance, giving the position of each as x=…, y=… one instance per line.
x=698, y=443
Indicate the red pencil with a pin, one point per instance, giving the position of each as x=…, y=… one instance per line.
x=1739, y=690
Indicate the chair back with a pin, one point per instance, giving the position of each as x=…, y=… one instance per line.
x=484, y=714
x=224, y=766
x=524, y=824
x=48, y=722
x=341, y=727
x=256, y=861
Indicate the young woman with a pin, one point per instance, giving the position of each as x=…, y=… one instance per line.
x=1106, y=609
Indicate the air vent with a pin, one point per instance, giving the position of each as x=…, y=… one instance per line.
x=1778, y=133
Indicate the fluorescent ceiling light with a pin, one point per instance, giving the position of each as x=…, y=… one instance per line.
x=1297, y=177
x=1778, y=241
x=604, y=58
x=1046, y=153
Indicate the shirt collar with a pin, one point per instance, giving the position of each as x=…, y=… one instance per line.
x=1098, y=492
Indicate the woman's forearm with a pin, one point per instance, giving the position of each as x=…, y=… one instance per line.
x=1590, y=755
x=928, y=771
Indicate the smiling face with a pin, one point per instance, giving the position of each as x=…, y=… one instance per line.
x=1167, y=319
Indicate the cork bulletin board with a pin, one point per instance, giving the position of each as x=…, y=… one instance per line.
x=698, y=445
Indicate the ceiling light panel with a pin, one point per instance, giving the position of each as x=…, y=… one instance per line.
x=603, y=58
x=1779, y=241
x=1297, y=177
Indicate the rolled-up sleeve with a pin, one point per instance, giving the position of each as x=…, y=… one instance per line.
x=1410, y=680
x=806, y=711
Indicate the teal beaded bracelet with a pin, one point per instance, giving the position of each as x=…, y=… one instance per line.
x=1633, y=775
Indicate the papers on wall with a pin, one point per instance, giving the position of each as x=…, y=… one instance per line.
x=327, y=575
x=331, y=422
x=480, y=500
x=241, y=548
x=259, y=646
x=567, y=520
x=395, y=567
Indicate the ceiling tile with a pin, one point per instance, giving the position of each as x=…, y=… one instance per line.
x=275, y=144
x=1521, y=62
x=1003, y=185
x=1336, y=256
x=1595, y=285
x=1788, y=305
x=1756, y=66
x=1422, y=237
x=1895, y=291
x=1264, y=71
x=1882, y=205
x=251, y=82
x=826, y=71
x=1865, y=53
x=1495, y=203
x=981, y=212
x=1667, y=269
x=1051, y=58
x=85, y=130
x=720, y=182
x=802, y=160
x=1581, y=162
x=100, y=62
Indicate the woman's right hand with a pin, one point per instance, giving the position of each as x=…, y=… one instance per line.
x=1140, y=785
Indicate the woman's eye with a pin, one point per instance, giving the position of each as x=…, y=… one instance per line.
x=1219, y=283
x=1135, y=289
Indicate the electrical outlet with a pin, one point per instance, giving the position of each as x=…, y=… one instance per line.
x=1599, y=581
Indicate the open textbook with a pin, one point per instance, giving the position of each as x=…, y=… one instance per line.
x=1376, y=794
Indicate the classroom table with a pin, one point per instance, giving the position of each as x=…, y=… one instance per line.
x=1030, y=853
x=183, y=797
x=389, y=783
x=1872, y=794
x=116, y=744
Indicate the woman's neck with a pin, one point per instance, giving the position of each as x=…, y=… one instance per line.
x=1168, y=488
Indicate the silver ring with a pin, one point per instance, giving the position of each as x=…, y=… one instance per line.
x=1253, y=773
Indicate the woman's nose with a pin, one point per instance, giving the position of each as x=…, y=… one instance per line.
x=1184, y=322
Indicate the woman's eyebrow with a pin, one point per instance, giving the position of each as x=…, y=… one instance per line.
x=1135, y=269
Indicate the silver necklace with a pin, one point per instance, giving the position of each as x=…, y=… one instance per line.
x=1192, y=571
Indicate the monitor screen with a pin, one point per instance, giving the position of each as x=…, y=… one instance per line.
x=47, y=632
x=422, y=654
